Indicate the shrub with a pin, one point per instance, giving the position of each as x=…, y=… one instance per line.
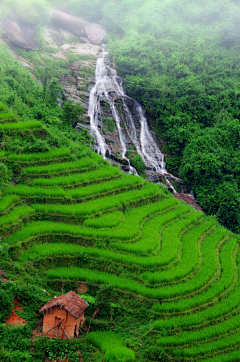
x=138, y=163
x=4, y=175
x=6, y=300
x=5, y=117
x=2, y=107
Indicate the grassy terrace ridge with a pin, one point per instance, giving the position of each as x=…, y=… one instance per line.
x=16, y=214
x=158, y=264
x=58, y=167
x=7, y=117
x=6, y=201
x=58, y=152
x=103, y=172
x=20, y=125
x=112, y=345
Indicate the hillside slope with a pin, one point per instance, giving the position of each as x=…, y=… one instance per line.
x=151, y=263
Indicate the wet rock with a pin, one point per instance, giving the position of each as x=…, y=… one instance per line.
x=20, y=34
x=95, y=33
x=189, y=200
x=69, y=22
x=53, y=37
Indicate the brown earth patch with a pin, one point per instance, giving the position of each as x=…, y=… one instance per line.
x=2, y=276
x=14, y=318
x=189, y=200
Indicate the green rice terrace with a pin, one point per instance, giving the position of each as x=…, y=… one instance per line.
x=164, y=276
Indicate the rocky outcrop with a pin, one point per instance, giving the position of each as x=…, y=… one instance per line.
x=189, y=200
x=69, y=22
x=20, y=35
x=95, y=33
x=78, y=26
x=23, y=35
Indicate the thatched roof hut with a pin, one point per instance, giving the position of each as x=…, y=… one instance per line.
x=63, y=316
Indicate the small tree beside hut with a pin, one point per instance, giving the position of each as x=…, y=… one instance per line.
x=63, y=316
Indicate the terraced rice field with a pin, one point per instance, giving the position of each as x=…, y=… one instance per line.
x=161, y=249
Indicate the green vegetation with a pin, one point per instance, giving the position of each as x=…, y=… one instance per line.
x=33, y=11
x=6, y=201
x=112, y=345
x=6, y=117
x=105, y=221
x=35, y=191
x=2, y=107
x=165, y=278
x=20, y=125
x=189, y=255
x=137, y=163
x=59, y=152
x=125, y=233
x=16, y=214
x=103, y=172
x=180, y=61
x=59, y=167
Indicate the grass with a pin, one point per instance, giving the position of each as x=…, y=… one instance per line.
x=228, y=357
x=201, y=334
x=150, y=238
x=104, y=278
x=85, y=191
x=221, y=308
x=2, y=107
x=105, y=221
x=99, y=174
x=69, y=249
x=227, y=268
x=60, y=167
x=112, y=345
x=170, y=239
x=222, y=343
x=6, y=201
x=101, y=204
x=15, y=215
x=102, y=187
x=58, y=152
x=20, y=125
x=6, y=117
x=208, y=269
x=189, y=257
x=153, y=242
x=35, y=191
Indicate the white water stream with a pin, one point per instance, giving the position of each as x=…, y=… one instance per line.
x=108, y=88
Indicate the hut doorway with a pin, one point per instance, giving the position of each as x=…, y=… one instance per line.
x=75, y=331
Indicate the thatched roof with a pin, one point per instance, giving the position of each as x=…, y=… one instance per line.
x=73, y=304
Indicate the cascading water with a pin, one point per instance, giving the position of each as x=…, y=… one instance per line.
x=108, y=88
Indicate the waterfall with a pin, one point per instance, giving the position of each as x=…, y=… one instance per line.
x=108, y=88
